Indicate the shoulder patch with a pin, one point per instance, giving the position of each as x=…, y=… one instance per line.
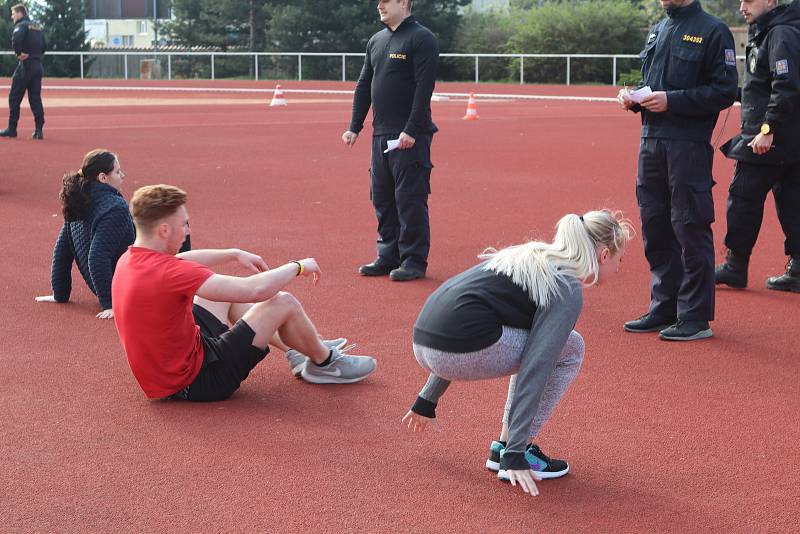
x=782, y=66
x=730, y=57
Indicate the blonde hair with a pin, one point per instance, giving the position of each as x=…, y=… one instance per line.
x=541, y=268
x=152, y=203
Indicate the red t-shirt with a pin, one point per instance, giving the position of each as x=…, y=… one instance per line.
x=152, y=300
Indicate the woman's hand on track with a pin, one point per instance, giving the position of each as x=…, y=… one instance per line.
x=106, y=314
x=418, y=423
x=525, y=478
x=46, y=298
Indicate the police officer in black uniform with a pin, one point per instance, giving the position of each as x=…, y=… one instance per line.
x=767, y=151
x=689, y=62
x=397, y=79
x=29, y=45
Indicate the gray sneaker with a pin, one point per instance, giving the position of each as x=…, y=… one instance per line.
x=343, y=369
x=297, y=360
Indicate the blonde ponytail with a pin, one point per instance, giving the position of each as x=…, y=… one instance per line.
x=541, y=268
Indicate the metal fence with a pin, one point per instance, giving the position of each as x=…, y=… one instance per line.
x=169, y=65
x=303, y=65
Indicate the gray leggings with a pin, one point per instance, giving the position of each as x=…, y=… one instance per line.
x=503, y=359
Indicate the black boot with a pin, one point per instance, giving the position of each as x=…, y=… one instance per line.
x=733, y=272
x=8, y=132
x=376, y=268
x=37, y=134
x=790, y=280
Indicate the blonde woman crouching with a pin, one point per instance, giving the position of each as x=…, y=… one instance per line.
x=514, y=314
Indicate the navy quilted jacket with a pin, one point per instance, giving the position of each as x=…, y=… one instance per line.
x=95, y=243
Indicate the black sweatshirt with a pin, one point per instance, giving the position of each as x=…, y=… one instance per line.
x=771, y=91
x=467, y=313
x=397, y=79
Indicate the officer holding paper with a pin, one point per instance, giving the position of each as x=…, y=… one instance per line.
x=689, y=63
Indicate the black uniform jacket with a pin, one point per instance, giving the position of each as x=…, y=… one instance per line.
x=28, y=38
x=690, y=55
x=397, y=79
x=771, y=92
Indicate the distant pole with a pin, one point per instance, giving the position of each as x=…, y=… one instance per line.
x=155, y=24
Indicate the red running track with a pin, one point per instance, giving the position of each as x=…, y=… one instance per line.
x=661, y=437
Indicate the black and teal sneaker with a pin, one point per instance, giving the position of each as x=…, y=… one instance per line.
x=495, y=450
x=540, y=463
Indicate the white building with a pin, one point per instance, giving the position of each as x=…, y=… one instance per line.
x=486, y=5
x=126, y=33
x=123, y=23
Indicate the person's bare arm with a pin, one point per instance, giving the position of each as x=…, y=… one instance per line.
x=215, y=257
x=257, y=287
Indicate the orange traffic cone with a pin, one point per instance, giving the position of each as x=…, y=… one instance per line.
x=277, y=97
x=472, y=109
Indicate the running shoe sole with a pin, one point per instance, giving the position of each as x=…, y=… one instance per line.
x=332, y=380
x=702, y=334
x=502, y=474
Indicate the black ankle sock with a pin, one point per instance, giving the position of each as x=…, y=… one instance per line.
x=327, y=360
x=503, y=443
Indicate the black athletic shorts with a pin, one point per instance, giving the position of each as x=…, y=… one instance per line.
x=228, y=357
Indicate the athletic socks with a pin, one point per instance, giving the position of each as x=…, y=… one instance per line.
x=327, y=361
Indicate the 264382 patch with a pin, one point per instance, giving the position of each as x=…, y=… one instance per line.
x=782, y=66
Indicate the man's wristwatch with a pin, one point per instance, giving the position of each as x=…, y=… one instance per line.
x=765, y=129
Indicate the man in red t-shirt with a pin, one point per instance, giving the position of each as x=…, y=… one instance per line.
x=173, y=312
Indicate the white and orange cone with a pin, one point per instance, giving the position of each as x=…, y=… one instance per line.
x=472, y=109
x=277, y=97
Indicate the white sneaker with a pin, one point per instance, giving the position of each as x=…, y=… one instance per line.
x=343, y=369
x=297, y=360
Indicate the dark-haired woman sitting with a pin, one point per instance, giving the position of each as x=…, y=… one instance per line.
x=97, y=229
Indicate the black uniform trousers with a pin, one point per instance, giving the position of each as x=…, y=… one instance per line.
x=748, y=191
x=673, y=189
x=27, y=77
x=401, y=183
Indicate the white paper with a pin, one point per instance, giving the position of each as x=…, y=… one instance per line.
x=391, y=144
x=639, y=94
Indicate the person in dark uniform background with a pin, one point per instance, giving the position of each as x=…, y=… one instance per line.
x=397, y=79
x=767, y=151
x=29, y=46
x=689, y=62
